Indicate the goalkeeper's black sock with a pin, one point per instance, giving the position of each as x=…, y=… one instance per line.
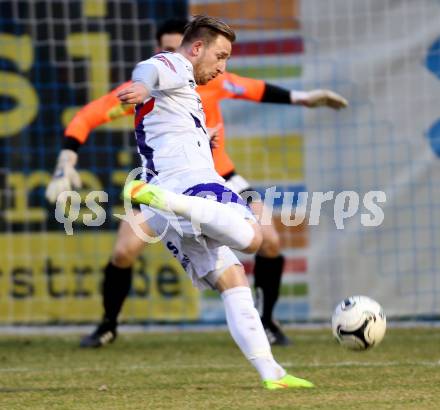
x=267, y=281
x=115, y=289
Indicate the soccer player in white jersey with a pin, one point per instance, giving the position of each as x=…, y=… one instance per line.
x=179, y=179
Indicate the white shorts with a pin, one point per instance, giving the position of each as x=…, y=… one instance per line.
x=203, y=258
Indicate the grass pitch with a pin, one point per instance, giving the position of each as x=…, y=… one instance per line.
x=207, y=371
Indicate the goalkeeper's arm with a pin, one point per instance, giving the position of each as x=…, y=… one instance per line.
x=311, y=99
x=259, y=91
x=92, y=115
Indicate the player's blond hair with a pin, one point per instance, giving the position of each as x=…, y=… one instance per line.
x=207, y=29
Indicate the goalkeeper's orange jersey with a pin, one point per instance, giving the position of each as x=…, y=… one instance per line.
x=227, y=85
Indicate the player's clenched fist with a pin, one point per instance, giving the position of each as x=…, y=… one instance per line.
x=318, y=98
x=136, y=93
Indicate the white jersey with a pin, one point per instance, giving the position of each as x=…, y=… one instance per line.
x=172, y=137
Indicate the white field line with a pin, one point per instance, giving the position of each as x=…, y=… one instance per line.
x=190, y=328
x=169, y=366
x=122, y=334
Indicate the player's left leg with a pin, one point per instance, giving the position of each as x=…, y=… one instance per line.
x=217, y=220
x=247, y=330
x=268, y=268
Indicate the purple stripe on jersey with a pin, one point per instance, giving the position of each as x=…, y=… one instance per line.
x=217, y=191
x=144, y=149
x=198, y=123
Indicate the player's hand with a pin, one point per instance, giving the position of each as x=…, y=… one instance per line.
x=319, y=98
x=136, y=93
x=65, y=176
x=214, y=135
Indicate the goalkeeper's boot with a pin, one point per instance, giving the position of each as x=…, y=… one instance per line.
x=139, y=192
x=287, y=382
x=104, y=334
x=275, y=335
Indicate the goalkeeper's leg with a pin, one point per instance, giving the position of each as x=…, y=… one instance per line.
x=117, y=282
x=247, y=330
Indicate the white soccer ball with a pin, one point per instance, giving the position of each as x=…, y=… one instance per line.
x=359, y=323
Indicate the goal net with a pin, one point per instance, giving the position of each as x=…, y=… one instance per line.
x=375, y=163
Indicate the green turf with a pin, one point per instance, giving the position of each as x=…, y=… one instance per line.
x=206, y=371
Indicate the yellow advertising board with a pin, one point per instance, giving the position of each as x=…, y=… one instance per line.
x=52, y=277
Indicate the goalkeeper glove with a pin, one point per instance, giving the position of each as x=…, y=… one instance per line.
x=65, y=176
x=318, y=98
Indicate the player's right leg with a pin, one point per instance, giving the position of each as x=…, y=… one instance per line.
x=268, y=269
x=247, y=330
x=214, y=266
x=269, y=261
x=219, y=221
x=117, y=281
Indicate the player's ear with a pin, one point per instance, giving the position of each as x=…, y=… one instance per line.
x=196, y=48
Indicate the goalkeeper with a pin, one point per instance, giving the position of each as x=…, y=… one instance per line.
x=269, y=261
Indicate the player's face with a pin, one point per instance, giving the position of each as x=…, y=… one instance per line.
x=170, y=42
x=212, y=60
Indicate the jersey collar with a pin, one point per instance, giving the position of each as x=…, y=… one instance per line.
x=187, y=63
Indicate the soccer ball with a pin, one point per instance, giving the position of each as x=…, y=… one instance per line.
x=358, y=323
